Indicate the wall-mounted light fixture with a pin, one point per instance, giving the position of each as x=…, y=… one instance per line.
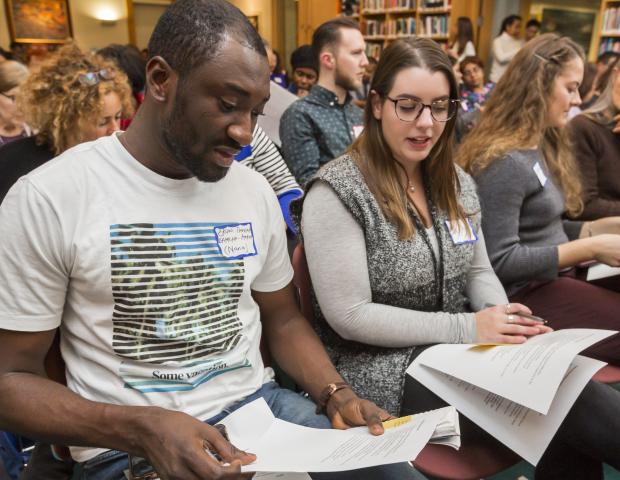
x=107, y=16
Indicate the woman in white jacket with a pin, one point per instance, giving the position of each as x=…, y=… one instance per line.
x=505, y=46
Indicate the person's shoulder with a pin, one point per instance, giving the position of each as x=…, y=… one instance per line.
x=465, y=179
x=584, y=124
x=343, y=166
x=248, y=179
x=65, y=169
x=510, y=165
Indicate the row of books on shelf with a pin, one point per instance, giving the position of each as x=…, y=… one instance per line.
x=395, y=27
x=435, y=25
x=374, y=50
x=350, y=7
x=378, y=5
x=429, y=4
x=611, y=20
x=609, y=44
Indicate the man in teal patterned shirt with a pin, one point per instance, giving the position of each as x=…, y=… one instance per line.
x=320, y=126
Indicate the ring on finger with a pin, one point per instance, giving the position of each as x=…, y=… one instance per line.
x=508, y=306
x=511, y=318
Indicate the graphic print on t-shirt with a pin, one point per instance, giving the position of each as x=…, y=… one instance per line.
x=175, y=320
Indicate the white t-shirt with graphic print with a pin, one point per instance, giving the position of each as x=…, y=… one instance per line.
x=149, y=278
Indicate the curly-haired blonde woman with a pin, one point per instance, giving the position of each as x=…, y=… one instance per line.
x=72, y=98
x=527, y=182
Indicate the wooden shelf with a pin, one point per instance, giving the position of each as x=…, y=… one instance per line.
x=431, y=11
x=368, y=13
x=610, y=34
x=393, y=18
x=401, y=11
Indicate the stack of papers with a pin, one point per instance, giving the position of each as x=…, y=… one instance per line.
x=285, y=447
x=520, y=394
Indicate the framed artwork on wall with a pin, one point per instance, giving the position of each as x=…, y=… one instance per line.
x=577, y=24
x=39, y=21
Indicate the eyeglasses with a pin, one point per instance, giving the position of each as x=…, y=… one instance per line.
x=93, y=78
x=409, y=110
x=10, y=97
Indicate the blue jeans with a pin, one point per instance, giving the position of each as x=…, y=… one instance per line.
x=285, y=405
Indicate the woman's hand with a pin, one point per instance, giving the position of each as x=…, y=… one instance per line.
x=502, y=324
x=606, y=249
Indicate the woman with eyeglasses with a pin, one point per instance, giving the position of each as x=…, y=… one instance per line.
x=12, y=125
x=72, y=98
x=397, y=258
x=530, y=191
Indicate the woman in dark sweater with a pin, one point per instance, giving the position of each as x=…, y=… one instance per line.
x=526, y=179
x=596, y=137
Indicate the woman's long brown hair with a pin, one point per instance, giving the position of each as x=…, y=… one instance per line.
x=515, y=116
x=373, y=155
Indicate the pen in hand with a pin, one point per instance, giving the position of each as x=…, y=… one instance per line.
x=522, y=314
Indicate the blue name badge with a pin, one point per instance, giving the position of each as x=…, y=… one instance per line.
x=461, y=232
x=235, y=240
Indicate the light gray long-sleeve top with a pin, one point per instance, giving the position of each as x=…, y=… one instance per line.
x=336, y=252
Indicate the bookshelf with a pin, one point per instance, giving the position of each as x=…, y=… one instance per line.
x=609, y=26
x=383, y=21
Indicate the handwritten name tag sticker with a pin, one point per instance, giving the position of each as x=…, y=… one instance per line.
x=357, y=130
x=235, y=240
x=461, y=232
x=542, y=178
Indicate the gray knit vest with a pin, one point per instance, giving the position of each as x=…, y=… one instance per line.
x=403, y=273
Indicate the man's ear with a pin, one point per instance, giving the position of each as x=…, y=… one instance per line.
x=161, y=79
x=376, y=104
x=327, y=59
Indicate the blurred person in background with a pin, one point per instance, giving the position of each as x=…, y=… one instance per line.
x=278, y=74
x=305, y=71
x=505, y=46
x=463, y=44
x=596, y=141
x=129, y=59
x=72, y=98
x=12, y=126
x=474, y=90
x=532, y=28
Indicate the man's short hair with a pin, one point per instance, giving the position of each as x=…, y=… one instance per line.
x=607, y=57
x=532, y=22
x=469, y=60
x=328, y=34
x=190, y=32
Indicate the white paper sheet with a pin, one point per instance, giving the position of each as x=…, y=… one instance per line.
x=284, y=447
x=525, y=431
x=600, y=270
x=528, y=374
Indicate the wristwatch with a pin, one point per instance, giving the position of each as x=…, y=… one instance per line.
x=327, y=393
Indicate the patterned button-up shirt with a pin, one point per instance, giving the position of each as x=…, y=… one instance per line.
x=316, y=129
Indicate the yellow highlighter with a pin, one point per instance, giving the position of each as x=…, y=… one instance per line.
x=397, y=422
